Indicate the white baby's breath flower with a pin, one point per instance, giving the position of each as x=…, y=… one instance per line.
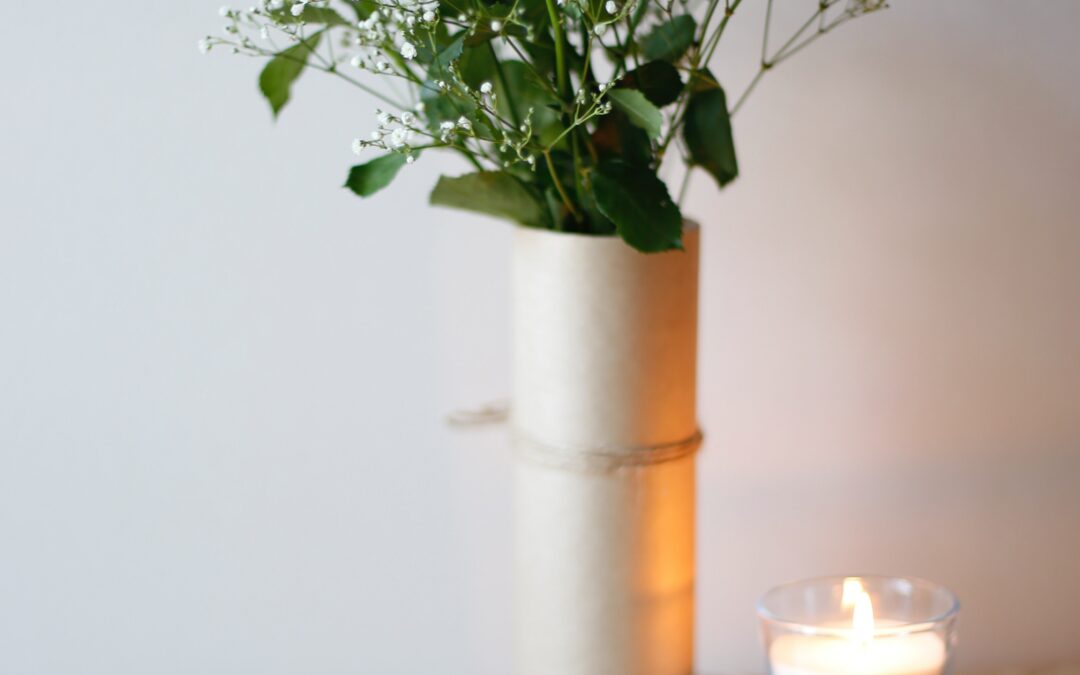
x=486, y=88
x=408, y=50
x=419, y=107
x=407, y=118
x=382, y=66
x=383, y=117
x=375, y=135
x=205, y=45
x=611, y=7
x=358, y=145
x=399, y=137
x=429, y=16
x=357, y=61
x=464, y=123
x=446, y=125
x=600, y=29
x=225, y=12
x=496, y=25
x=409, y=159
x=264, y=33
x=297, y=9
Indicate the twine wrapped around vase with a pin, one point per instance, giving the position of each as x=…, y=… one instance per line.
x=605, y=427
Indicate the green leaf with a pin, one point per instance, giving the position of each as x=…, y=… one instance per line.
x=523, y=91
x=439, y=61
x=311, y=15
x=639, y=204
x=638, y=110
x=362, y=8
x=367, y=179
x=477, y=66
x=617, y=137
x=277, y=77
x=707, y=131
x=658, y=80
x=669, y=41
x=495, y=193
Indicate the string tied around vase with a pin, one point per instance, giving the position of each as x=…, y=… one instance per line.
x=600, y=457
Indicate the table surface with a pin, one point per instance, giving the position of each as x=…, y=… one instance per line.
x=1054, y=670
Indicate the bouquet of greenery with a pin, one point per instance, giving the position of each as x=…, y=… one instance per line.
x=567, y=109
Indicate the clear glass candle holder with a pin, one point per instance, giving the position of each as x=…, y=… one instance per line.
x=859, y=626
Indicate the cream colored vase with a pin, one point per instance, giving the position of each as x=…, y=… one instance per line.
x=605, y=423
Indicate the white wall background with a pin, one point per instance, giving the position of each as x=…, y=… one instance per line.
x=223, y=377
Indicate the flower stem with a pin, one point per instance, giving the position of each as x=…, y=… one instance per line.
x=558, y=186
x=562, y=74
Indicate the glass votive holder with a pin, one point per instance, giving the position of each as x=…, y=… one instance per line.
x=859, y=626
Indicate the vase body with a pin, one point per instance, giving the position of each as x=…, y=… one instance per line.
x=604, y=417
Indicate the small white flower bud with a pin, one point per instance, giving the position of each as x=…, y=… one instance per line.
x=429, y=16
x=496, y=25
x=408, y=50
x=611, y=7
x=486, y=88
x=205, y=45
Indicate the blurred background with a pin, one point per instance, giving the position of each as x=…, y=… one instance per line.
x=222, y=436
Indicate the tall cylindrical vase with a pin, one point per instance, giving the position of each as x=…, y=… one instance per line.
x=604, y=416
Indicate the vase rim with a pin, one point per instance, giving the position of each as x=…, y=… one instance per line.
x=689, y=225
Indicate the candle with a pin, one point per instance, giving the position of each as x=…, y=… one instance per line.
x=920, y=654
x=814, y=640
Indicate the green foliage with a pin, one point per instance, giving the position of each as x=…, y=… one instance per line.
x=658, y=80
x=617, y=137
x=493, y=193
x=367, y=179
x=324, y=16
x=276, y=79
x=638, y=110
x=639, y=204
x=669, y=41
x=362, y=8
x=707, y=130
x=567, y=110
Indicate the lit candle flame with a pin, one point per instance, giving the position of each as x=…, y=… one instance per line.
x=862, y=619
x=853, y=588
